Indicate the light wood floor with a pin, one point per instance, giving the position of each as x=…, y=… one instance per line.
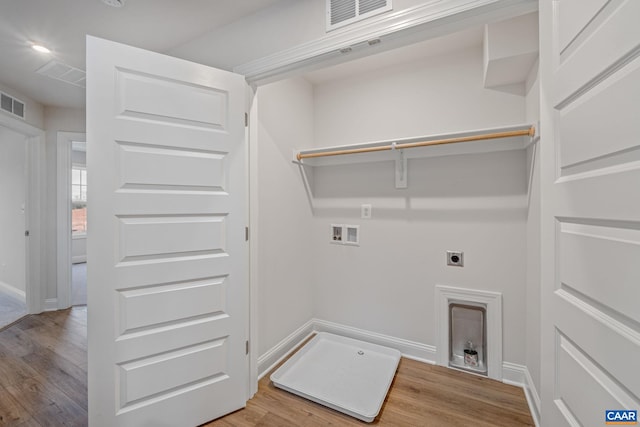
x=43, y=382
x=421, y=395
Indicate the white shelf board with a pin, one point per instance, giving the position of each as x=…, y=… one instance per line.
x=472, y=147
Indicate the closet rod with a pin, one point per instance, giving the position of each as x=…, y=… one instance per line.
x=530, y=132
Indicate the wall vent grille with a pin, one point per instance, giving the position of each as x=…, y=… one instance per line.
x=11, y=105
x=345, y=12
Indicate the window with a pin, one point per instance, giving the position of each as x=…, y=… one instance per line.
x=78, y=200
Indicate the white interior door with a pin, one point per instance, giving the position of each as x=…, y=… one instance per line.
x=167, y=257
x=591, y=208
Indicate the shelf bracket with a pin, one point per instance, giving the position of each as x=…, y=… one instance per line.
x=401, y=167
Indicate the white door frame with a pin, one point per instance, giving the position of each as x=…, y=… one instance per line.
x=252, y=180
x=34, y=222
x=63, y=210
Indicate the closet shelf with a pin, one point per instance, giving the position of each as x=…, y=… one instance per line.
x=505, y=138
x=485, y=140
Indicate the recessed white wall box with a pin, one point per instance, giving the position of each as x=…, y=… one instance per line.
x=491, y=340
x=455, y=258
x=336, y=233
x=351, y=235
x=468, y=337
x=345, y=234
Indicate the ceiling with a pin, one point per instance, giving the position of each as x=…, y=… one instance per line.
x=157, y=25
x=61, y=25
x=401, y=55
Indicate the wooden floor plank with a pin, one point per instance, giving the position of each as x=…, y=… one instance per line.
x=59, y=344
x=66, y=376
x=16, y=342
x=48, y=404
x=13, y=370
x=11, y=411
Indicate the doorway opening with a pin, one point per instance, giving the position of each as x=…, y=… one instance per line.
x=72, y=219
x=22, y=163
x=79, y=223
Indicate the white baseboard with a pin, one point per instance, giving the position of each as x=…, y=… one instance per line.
x=14, y=293
x=51, y=304
x=513, y=374
x=409, y=349
x=275, y=355
x=518, y=375
x=533, y=398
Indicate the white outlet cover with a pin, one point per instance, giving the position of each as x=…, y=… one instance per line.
x=365, y=211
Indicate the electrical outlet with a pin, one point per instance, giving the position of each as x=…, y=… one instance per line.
x=455, y=258
x=365, y=211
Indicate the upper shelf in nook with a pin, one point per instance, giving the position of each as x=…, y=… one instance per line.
x=515, y=137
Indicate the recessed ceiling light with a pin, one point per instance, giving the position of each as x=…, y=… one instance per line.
x=114, y=3
x=40, y=48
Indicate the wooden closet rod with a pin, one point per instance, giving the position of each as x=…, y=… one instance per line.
x=531, y=132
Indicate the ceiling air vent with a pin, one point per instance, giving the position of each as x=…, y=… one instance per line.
x=345, y=12
x=11, y=105
x=63, y=72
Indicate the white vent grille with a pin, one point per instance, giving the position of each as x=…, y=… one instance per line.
x=345, y=12
x=342, y=10
x=63, y=72
x=11, y=105
x=367, y=6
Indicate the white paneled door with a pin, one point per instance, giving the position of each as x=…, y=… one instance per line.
x=590, y=64
x=167, y=257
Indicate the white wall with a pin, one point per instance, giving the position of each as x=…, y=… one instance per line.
x=13, y=182
x=284, y=213
x=474, y=203
x=56, y=120
x=429, y=96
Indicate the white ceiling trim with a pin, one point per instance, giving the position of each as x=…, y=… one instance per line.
x=432, y=19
